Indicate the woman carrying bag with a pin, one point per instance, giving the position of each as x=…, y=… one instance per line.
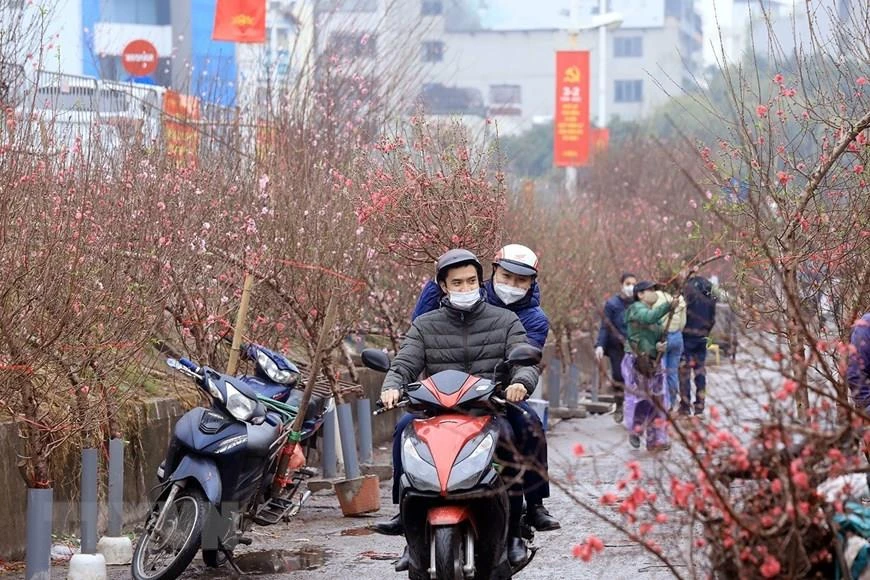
x=644, y=371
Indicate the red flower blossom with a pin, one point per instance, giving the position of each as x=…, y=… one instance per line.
x=770, y=568
x=761, y=111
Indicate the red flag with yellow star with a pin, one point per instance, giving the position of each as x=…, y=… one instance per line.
x=240, y=21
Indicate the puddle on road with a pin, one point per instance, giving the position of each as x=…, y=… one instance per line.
x=276, y=561
x=357, y=532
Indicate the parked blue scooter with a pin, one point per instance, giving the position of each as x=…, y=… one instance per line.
x=218, y=475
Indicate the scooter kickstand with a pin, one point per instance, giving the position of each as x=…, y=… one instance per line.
x=232, y=562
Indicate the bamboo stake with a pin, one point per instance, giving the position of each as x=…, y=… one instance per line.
x=328, y=322
x=239, y=330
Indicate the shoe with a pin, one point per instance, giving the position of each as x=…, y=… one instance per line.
x=659, y=447
x=618, y=415
x=404, y=561
x=517, y=552
x=634, y=440
x=540, y=519
x=391, y=527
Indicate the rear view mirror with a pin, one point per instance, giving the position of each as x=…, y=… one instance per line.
x=375, y=359
x=525, y=355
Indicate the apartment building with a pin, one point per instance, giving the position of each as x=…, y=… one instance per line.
x=510, y=73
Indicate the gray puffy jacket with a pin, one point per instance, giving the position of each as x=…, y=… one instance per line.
x=470, y=341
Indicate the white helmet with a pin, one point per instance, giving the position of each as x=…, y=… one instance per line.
x=517, y=259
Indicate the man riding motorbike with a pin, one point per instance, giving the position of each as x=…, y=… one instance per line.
x=513, y=286
x=470, y=335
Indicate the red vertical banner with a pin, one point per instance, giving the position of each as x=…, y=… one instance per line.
x=180, y=130
x=571, y=126
x=240, y=21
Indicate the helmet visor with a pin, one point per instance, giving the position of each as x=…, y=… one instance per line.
x=516, y=267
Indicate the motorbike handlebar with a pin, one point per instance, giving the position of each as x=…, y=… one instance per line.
x=381, y=409
x=188, y=364
x=507, y=403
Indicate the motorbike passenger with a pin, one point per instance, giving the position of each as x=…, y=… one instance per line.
x=513, y=286
x=470, y=335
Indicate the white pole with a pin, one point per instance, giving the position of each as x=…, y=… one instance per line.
x=602, y=67
x=571, y=172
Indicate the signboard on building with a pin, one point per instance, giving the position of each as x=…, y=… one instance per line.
x=139, y=58
x=571, y=125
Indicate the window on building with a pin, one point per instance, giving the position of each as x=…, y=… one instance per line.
x=433, y=51
x=432, y=7
x=353, y=44
x=347, y=6
x=628, y=91
x=628, y=46
x=282, y=37
x=505, y=99
x=596, y=9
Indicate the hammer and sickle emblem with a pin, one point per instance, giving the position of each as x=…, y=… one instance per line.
x=572, y=74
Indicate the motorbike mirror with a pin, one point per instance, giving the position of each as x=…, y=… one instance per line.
x=525, y=355
x=375, y=359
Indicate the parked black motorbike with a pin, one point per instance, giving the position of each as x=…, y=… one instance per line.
x=227, y=466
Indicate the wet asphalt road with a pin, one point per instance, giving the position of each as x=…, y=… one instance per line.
x=333, y=547
x=320, y=544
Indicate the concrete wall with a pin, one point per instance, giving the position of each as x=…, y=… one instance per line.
x=145, y=450
x=144, y=453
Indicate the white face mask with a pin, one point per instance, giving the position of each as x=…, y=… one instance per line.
x=465, y=300
x=509, y=294
x=628, y=290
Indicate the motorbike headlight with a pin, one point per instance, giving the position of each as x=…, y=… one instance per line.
x=265, y=362
x=467, y=472
x=422, y=474
x=238, y=405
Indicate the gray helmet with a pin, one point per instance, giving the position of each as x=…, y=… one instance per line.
x=454, y=258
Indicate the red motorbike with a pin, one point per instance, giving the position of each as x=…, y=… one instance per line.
x=454, y=499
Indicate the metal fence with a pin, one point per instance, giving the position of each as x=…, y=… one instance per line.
x=56, y=111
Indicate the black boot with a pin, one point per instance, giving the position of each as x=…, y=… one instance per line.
x=517, y=552
x=540, y=519
x=618, y=414
x=391, y=527
x=404, y=561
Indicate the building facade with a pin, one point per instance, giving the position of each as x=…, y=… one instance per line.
x=510, y=74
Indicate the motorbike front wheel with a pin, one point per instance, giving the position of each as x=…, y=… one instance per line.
x=449, y=555
x=164, y=553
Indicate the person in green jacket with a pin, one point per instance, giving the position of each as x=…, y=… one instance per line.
x=645, y=392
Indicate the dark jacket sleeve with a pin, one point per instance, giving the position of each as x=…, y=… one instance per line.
x=526, y=376
x=409, y=362
x=537, y=328
x=429, y=300
x=858, y=371
x=603, y=329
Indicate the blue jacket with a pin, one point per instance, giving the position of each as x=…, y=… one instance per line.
x=858, y=371
x=528, y=309
x=612, y=331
